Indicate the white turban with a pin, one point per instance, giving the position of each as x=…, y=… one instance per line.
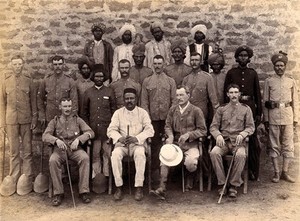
x=127, y=27
x=156, y=24
x=196, y=28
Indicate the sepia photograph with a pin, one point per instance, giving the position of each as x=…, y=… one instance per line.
x=162, y=110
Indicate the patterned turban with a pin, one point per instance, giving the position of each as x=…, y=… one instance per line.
x=216, y=58
x=196, y=28
x=179, y=43
x=127, y=27
x=138, y=49
x=98, y=25
x=281, y=56
x=243, y=48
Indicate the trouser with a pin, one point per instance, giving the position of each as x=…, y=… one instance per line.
x=159, y=130
x=281, y=141
x=191, y=157
x=13, y=133
x=238, y=165
x=139, y=157
x=99, y=145
x=58, y=158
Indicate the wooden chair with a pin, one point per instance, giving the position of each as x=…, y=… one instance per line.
x=200, y=169
x=130, y=159
x=87, y=147
x=228, y=159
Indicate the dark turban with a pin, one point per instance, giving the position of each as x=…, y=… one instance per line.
x=281, y=56
x=138, y=49
x=243, y=48
x=98, y=25
x=179, y=43
x=216, y=58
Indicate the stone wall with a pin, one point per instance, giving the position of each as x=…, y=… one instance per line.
x=42, y=28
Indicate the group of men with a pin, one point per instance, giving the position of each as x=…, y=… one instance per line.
x=162, y=95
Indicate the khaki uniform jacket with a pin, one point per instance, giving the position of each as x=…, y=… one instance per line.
x=51, y=90
x=158, y=95
x=17, y=100
x=178, y=72
x=232, y=120
x=202, y=90
x=282, y=90
x=67, y=130
x=191, y=121
x=139, y=74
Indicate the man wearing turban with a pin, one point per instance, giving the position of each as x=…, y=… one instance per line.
x=99, y=51
x=281, y=111
x=247, y=79
x=158, y=46
x=124, y=51
x=199, y=32
x=178, y=70
x=139, y=72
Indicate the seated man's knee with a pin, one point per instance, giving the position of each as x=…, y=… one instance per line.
x=116, y=153
x=215, y=152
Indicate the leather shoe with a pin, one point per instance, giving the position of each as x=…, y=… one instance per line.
x=139, y=194
x=159, y=193
x=118, y=194
x=275, y=178
x=85, y=198
x=220, y=191
x=286, y=177
x=232, y=192
x=57, y=199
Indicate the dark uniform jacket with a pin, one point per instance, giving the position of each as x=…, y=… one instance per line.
x=98, y=108
x=248, y=82
x=17, y=100
x=178, y=72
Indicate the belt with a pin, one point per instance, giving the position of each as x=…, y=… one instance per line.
x=246, y=98
x=282, y=104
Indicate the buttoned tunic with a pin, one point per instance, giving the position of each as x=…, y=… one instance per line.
x=281, y=90
x=202, y=90
x=51, y=89
x=119, y=86
x=219, y=80
x=158, y=95
x=153, y=48
x=82, y=85
x=139, y=74
x=247, y=80
x=178, y=72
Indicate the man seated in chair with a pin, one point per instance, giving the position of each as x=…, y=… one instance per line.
x=67, y=133
x=232, y=123
x=185, y=124
x=129, y=128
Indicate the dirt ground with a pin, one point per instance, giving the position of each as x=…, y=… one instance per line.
x=264, y=201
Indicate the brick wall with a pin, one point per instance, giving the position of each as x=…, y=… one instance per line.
x=41, y=28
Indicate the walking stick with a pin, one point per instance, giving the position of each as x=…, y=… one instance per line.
x=227, y=177
x=69, y=176
x=128, y=162
x=3, y=156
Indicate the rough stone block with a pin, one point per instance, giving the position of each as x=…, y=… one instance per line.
x=233, y=34
x=73, y=4
x=291, y=29
x=52, y=43
x=228, y=17
x=241, y=26
x=144, y=5
x=94, y=4
x=250, y=20
x=33, y=45
x=190, y=9
x=73, y=25
x=73, y=42
x=267, y=67
x=54, y=24
x=41, y=28
x=207, y=24
x=116, y=6
x=11, y=46
x=183, y=24
x=31, y=11
x=169, y=16
x=47, y=33
x=270, y=33
x=234, y=42
x=272, y=23
x=145, y=25
x=237, y=8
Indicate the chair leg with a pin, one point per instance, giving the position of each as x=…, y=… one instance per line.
x=50, y=191
x=200, y=176
x=149, y=174
x=110, y=180
x=245, y=180
x=182, y=174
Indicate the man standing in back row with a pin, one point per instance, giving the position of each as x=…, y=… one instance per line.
x=281, y=115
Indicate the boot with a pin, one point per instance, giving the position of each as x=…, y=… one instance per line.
x=118, y=194
x=189, y=181
x=139, y=194
x=275, y=178
x=285, y=176
x=160, y=192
